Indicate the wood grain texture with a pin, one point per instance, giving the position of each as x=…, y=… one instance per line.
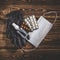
x=49, y=46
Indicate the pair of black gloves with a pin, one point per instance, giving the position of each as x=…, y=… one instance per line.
x=17, y=18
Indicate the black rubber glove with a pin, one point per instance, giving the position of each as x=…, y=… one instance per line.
x=16, y=39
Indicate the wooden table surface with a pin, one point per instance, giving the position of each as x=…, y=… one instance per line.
x=49, y=47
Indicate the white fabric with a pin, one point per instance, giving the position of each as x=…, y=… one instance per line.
x=38, y=35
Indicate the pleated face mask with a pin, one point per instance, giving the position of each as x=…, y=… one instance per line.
x=38, y=35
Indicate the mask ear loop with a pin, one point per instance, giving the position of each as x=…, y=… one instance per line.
x=30, y=50
x=49, y=13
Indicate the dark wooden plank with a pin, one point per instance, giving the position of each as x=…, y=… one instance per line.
x=50, y=45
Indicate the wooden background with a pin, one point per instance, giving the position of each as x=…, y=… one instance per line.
x=49, y=49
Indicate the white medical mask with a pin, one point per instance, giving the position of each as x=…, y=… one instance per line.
x=38, y=35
